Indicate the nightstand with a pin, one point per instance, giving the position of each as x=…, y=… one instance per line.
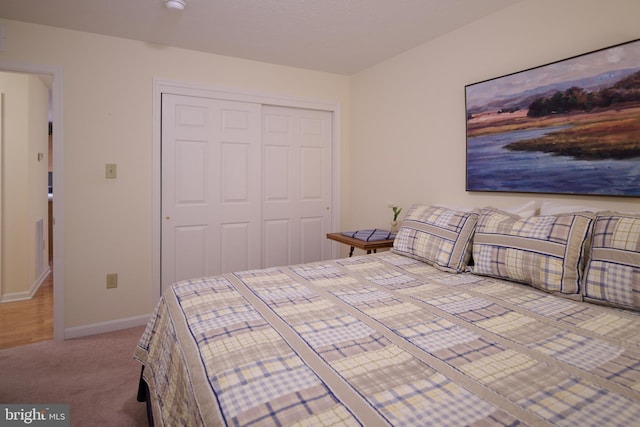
x=360, y=244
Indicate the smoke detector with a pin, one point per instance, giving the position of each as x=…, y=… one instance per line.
x=175, y=4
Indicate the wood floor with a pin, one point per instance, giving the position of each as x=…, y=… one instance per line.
x=29, y=321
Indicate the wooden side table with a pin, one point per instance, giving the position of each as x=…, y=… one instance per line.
x=360, y=244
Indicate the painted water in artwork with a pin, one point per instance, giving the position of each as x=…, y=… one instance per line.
x=570, y=127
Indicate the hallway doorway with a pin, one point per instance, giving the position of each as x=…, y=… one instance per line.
x=42, y=316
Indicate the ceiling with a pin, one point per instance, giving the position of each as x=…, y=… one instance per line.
x=337, y=36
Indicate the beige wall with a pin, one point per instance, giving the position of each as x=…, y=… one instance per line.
x=24, y=180
x=107, y=101
x=411, y=107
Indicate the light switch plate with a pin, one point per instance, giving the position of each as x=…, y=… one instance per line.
x=3, y=38
x=111, y=170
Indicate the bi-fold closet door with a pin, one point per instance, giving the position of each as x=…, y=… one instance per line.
x=244, y=186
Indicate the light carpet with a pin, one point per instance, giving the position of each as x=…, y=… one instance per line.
x=95, y=375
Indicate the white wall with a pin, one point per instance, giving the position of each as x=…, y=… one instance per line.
x=107, y=99
x=24, y=180
x=408, y=118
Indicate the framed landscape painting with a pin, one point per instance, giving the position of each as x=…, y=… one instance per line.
x=569, y=127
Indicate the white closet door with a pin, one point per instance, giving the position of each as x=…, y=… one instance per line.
x=297, y=171
x=211, y=205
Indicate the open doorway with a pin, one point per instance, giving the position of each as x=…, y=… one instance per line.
x=26, y=294
x=53, y=210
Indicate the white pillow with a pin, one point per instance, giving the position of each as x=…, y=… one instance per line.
x=554, y=208
x=526, y=210
x=455, y=208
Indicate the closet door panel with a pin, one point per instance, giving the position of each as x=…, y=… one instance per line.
x=211, y=187
x=297, y=180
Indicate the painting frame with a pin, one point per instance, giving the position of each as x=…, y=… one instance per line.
x=567, y=127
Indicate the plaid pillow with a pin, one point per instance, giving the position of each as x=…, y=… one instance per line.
x=546, y=252
x=613, y=272
x=437, y=235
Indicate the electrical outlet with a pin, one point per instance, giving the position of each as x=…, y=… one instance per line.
x=112, y=280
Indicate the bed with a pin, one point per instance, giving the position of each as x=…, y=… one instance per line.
x=478, y=317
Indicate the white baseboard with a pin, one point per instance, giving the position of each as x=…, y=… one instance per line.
x=102, y=327
x=27, y=295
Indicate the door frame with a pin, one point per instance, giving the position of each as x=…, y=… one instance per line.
x=58, y=184
x=162, y=86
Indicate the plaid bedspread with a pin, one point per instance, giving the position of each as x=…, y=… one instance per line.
x=384, y=339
